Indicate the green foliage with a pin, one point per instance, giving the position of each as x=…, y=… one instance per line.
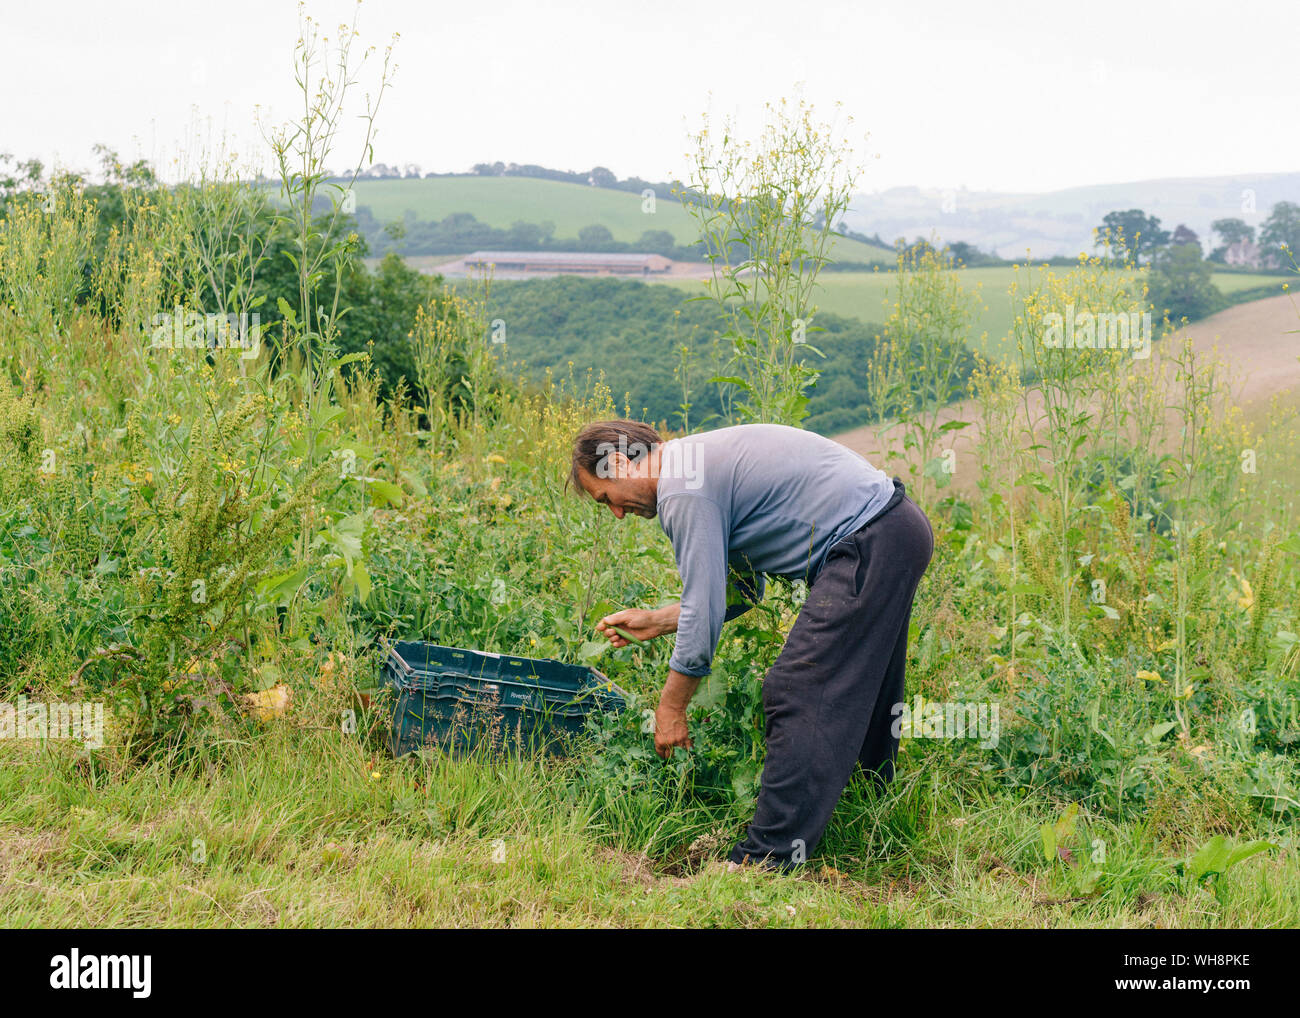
x=1131, y=235
x=1280, y=234
x=635, y=333
x=1180, y=286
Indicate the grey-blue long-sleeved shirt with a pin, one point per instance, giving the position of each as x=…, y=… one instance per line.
x=754, y=499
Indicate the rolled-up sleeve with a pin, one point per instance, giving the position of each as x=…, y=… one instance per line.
x=698, y=533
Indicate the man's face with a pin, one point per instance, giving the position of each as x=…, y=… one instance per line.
x=628, y=489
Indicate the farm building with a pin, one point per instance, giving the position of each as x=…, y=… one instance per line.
x=591, y=263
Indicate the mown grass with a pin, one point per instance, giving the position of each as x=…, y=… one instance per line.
x=292, y=829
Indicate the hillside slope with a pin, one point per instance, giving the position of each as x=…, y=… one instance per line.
x=501, y=201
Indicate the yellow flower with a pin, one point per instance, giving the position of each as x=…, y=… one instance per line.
x=496, y=458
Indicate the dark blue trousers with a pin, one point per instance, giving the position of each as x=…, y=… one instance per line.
x=828, y=696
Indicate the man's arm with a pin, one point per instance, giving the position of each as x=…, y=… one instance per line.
x=670, y=717
x=695, y=526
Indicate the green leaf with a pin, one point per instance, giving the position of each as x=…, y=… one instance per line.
x=1210, y=858
x=362, y=579
x=591, y=650
x=1245, y=851
x=414, y=483
x=279, y=588
x=384, y=493
x=713, y=691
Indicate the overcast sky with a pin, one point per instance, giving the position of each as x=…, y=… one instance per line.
x=1030, y=96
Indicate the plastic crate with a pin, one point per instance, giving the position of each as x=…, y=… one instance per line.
x=460, y=700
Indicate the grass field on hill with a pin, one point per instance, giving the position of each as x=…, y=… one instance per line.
x=501, y=201
x=867, y=297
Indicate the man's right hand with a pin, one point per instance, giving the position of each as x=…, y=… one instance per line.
x=643, y=624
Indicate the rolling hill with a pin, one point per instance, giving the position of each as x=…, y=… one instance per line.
x=501, y=201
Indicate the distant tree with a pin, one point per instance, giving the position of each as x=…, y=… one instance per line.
x=595, y=237
x=967, y=254
x=16, y=174
x=601, y=177
x=917, y=249
x=1132, y=235
x=659, y=241
x=524, y=236
x=1180, y=284
x=1231, y=231
x=1184, y=235
x=1281, y=230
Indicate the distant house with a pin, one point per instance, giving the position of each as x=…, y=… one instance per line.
x=1244, y=252
x=569, y=262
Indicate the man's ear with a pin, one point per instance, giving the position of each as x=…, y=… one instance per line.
x=619, y=466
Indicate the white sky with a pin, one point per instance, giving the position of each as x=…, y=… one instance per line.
x=1017, y=96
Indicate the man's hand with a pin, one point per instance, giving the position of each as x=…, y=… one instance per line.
x=644, y=625
x=670, y=730
x=670, y=718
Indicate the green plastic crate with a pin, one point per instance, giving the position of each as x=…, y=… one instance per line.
x=459, y=700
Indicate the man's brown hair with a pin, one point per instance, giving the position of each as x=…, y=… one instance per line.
x=598, y=440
